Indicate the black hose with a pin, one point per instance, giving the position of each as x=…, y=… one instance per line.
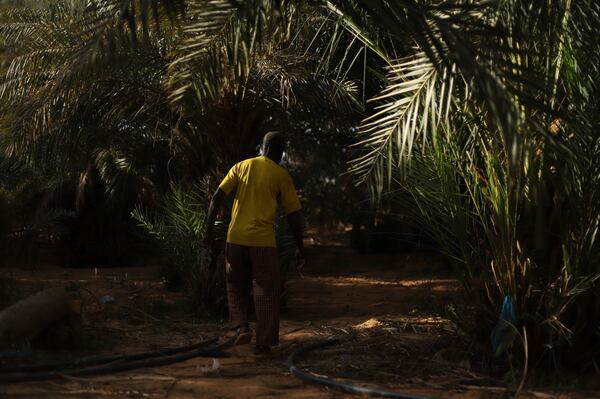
x=217, y=351
x=94, y=361
x=341, y=386
x=16, y=354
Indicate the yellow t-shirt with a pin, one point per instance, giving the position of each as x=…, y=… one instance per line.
x=260, y=182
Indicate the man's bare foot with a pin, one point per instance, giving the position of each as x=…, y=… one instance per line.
x=240, y=327
x=244, y=335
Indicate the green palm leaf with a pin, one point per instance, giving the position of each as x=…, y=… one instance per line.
x=200, y=64
x=416, y=101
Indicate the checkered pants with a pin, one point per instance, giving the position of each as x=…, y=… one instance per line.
x=255, y=268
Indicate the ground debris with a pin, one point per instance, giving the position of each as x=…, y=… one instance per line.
x=382, y=344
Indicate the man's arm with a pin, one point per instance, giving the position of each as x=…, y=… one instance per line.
x=296, y=225
x=215, y=206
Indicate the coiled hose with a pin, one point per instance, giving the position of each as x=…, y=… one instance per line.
x=340, y=386
x=94, y=361
x=114, y=364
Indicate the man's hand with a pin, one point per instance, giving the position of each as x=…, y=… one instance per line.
x=213, y=209
x=300, y=261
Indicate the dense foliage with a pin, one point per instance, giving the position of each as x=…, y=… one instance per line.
x=110, y=109
x=484, y=135
x=107, y=111
x=179, y=227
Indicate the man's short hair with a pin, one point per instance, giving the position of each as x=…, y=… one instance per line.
x=275, y=141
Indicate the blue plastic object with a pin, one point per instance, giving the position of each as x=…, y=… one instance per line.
x=107, y=299
x=505, y=331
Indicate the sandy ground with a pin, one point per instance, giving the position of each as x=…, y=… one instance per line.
x=392, y=314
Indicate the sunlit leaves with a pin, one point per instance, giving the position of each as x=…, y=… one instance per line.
x=412, y=107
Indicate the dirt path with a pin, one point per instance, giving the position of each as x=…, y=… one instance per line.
x=390, y=311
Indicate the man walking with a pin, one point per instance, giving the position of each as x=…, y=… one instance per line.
x=251, y=254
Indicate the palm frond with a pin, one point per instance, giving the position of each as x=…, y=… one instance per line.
x=201, y=63
x=220, y=41
x=414, y=104
x=133, y=16
x=466, y=38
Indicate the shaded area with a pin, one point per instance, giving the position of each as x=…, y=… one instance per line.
x=395, y=329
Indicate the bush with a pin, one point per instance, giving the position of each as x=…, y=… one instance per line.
x=535, y=247
x=187, y=264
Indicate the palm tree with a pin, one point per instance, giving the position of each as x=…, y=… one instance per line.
x=221, y=74
x=486, y=135
x=486, y=132
x=121, y=97
x=85, y=120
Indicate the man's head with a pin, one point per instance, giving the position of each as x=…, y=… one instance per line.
x=273, y=146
